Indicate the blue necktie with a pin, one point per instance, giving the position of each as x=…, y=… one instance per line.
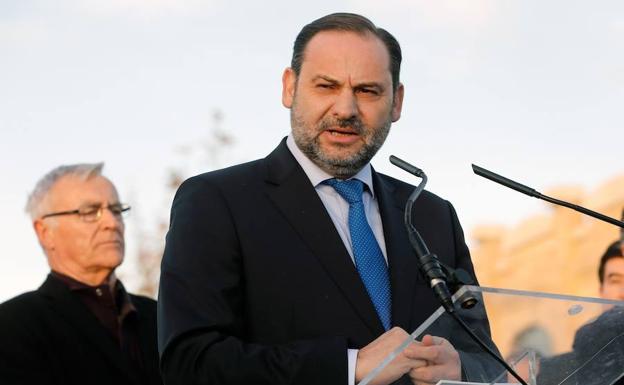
x=369, y=260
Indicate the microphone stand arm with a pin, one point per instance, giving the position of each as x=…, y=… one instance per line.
x=536, y=194
x=432, y=270
x=440, y=276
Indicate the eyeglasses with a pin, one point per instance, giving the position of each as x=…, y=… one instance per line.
x=93, y=212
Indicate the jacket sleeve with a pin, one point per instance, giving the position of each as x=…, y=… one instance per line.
x=202, y=328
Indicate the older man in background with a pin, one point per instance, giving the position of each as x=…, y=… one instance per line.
x=80, y=326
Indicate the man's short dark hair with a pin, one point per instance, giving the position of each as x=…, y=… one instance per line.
x=347, y=22
x=613, y=251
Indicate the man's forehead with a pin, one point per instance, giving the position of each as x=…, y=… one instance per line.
x=614, y=265
x=616, y=260
x=346, y=50
x=74, y=190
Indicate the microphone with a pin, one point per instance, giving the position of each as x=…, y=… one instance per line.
x=428, y=263
x=504, y=181
x=536, y=194
x=407, y=167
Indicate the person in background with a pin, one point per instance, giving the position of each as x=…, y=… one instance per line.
x=80, y=326
x=611, y=272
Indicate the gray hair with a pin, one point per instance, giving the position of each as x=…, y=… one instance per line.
x=38, y=200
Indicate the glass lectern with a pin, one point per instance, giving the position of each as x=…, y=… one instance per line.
x=548, y=339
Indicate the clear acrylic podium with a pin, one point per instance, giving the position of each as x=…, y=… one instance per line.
x=549, y=339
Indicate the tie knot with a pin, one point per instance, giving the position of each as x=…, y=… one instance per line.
x=350, y=190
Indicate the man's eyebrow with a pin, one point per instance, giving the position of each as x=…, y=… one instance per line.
x=370, y=85
x=90, y=203
x=359, y=85
x=96, y=203
x=326, y=78
x=611, y=275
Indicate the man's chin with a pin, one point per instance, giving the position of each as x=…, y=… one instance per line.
x=340, y=154
x=111, y=259
x=341, y=167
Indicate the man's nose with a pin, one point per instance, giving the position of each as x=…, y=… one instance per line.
x=346, y=104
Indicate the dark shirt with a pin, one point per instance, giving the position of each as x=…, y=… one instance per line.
x=113, y=308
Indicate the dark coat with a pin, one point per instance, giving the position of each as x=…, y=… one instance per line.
x=258, y=288
x=597, y=355
x=49, y=336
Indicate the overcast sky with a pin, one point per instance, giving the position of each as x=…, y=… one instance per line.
x=530, y=89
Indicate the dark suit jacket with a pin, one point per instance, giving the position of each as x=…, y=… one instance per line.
x=597, y=355
x=49, y=336
x=258, y=288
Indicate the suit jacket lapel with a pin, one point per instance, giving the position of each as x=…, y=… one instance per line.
x=402, y=260
x=291, y=191
x=80, y=318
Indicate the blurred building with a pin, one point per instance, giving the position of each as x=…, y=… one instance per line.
x=557, y=252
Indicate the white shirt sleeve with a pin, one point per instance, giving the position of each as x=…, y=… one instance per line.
x=352, y=357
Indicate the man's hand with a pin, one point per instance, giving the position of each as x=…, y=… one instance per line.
x=441, y=358
x=373, y=354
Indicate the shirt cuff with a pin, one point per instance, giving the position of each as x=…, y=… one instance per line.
x=352, y=360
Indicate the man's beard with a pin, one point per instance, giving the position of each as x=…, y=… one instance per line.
x=341, y=166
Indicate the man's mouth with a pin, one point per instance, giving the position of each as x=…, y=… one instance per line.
x=342, y=132
x=110, y=242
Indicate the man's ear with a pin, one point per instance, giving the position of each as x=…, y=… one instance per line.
x=397, y=103
x=44, y=234
x=289, y=83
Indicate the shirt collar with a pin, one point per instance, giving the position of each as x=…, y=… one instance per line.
x=317, y=175
x=119, y=294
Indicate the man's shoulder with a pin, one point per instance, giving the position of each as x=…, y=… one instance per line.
x=279, y=161
x=23, y=300
x=233, y=172
x=229, y=176
x=143, y=302
x=22, y=308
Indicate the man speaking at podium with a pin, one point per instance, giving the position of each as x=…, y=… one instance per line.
x=296, y=268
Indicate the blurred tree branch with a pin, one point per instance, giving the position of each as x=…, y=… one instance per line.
x=211, y=153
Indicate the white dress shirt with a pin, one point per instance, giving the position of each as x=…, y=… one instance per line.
x=338, y=209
